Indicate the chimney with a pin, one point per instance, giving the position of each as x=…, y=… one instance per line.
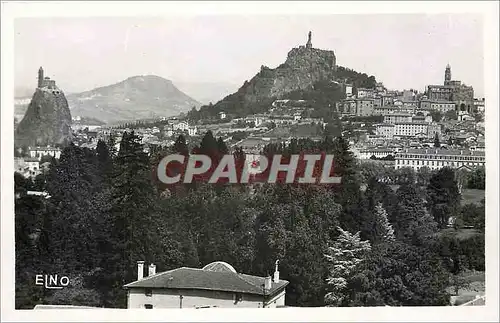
x=152, y=270
x=276, y=273
x=267, y=283
x=140, y=270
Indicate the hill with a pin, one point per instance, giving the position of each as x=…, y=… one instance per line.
x=138, y=97
x=305, y=69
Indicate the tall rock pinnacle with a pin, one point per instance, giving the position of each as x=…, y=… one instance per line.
x=48, y=118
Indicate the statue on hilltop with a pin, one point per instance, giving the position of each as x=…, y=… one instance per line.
x=309, y=44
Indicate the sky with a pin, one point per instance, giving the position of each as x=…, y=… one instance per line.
x=402, y=50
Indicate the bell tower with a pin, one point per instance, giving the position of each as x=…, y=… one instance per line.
x=447, y=74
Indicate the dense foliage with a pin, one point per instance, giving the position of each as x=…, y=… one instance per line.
x=106, y=211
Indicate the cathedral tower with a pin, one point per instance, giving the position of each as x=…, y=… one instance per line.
x=447, y=74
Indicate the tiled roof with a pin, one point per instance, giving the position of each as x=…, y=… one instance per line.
x=193, y=278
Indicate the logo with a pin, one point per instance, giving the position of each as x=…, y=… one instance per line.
x=303, y=168
x=52, y=281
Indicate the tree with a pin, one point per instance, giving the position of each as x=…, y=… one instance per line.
x=458, y=282
x=477, y=179
x=348, y=193
x=405, y=175
x=132, y=222
x=443, y=196
x=473, y=215
x=208, y=145
x=398, y=274
x=383, y=228
x=180, y=146
x=104, y=160
x=221, y=146
x=437, y=143
x=424, y=175
x=344, y=257
x=462, y=176
x=436, y=115
x=412, y=222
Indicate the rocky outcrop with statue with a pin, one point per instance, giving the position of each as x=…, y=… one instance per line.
x=303, y=68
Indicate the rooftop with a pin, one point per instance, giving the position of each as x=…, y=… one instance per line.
x=222, y=279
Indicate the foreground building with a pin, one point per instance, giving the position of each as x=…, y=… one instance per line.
x=215, y=285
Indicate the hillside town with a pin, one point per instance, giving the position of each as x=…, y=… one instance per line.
x=386, y=125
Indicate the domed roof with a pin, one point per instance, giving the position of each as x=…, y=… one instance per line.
x=219, y=266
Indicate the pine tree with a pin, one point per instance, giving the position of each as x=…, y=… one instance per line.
x=133, y=222
x=222, y=147
x=344, y=257
x=383, y=228
x=180, y=146
x=208, y=145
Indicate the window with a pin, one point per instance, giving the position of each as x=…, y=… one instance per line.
x=148, y=306
x=149, y=292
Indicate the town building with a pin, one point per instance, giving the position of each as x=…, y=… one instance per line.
x=439, y=158
x=347, y=107
x=369, y=153
x=364, y=107
x=39, y=152
x=215, y=285
x=441, y=106
x=348, y=90
x=28, y=167
x=397, y=117
x=175, y=126
x=410, y=129
x=365, y=93
x=479, y=105
x=386, y=130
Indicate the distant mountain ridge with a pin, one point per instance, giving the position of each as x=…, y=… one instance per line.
x=137, y=97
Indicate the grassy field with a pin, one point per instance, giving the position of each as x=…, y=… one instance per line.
x=468, y=195
x=472, y=196
x=461, y=234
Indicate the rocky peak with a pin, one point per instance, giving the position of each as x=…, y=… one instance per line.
x=47, y=120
